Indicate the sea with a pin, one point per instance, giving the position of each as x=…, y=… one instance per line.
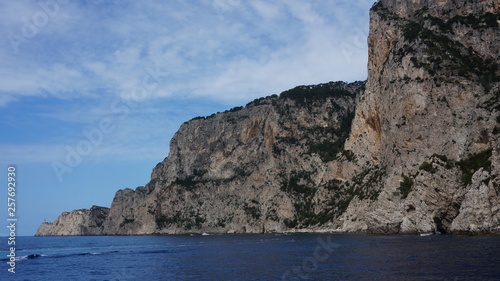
x=254, y=257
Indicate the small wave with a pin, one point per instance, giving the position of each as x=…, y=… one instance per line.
x=166, y=251
x=30, y=257
x=35, y=256
x=87, y=254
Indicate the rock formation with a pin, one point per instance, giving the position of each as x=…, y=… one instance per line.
x=78, y=222
x=269, y=166
x=430, y=116
x=414, y=149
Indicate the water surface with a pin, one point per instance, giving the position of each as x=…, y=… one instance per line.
x=256, y=257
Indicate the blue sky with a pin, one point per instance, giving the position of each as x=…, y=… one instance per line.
x=92, y=91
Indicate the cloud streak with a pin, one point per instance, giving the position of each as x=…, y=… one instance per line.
x=210, y=47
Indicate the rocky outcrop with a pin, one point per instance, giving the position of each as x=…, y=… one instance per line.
x=78, y=222
x=415, y=149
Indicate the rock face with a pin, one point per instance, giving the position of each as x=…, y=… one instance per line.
x=270, y=166
x=429, y=115
x=78, y=222
x=415, y=149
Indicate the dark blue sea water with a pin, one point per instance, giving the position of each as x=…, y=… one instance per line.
x=255, y=257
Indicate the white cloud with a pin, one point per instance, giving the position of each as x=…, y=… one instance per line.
x=304, y=11
x=268, y=11
x=208, y=49
x=59, y=79
x=6, y=99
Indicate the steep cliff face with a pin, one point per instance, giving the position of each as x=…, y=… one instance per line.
x=78, y=222
x=432, y=94
x=272, y=165
x=265, y=167
x=416, y=149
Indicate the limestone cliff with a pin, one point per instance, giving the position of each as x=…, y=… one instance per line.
x=78, y=222
x=268, y=166
x=430, y=115
x=415, y=149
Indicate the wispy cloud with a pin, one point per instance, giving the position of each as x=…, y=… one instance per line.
x=208, y=47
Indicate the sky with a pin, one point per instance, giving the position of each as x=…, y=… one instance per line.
x=91, y=92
